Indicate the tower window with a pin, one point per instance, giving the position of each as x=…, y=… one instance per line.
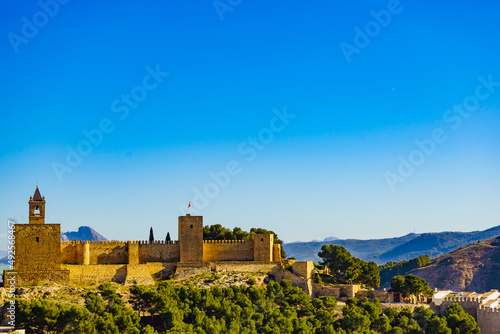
x=191, y=225
x=261, y=239
x=37, y=239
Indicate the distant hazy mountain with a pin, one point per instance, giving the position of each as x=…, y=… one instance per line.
x=393, y=249
x=324, y=240
x=475, y=267
x=84, y=233
x=364, y=249
x=436, y=244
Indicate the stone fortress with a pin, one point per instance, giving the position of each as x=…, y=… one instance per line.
x=41, y=257
x=484, y=307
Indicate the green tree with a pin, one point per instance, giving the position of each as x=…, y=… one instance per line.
x=151, y=235
x=398, y=285
x=370, y=275
x=347, y=269
x=354, y=319
x=411, y=285
x=337, y=258
x=459, y=321
x=437, y=325
x=94, y=303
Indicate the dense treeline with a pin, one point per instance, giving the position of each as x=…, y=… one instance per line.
x=104, y=312
x=391, y=269
x=345, y=268
x=411, y=285
x=218, y=232
x=276, y=308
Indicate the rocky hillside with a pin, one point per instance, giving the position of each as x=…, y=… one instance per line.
x=475, y=267
x=83, y=233
x=394, y=249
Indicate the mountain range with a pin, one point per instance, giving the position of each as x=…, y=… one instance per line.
x=83, y=233
x=475, y=267
x=393, y=249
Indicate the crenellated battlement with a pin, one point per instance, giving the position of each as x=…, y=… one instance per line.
x=489, y=310
x=119, y=242
x=488, y=319
x=468, y=300
x=157, y=242
x=226, y=241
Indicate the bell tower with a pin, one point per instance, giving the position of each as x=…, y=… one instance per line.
x=37, y=208
x=38, y=249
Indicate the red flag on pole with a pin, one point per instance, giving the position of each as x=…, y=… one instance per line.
x=189, y=205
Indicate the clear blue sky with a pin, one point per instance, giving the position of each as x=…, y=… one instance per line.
x=359, y=101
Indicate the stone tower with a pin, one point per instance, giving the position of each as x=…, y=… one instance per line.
x=38, y=248
x=191, y=239
x=37, y=208
x=263, y=247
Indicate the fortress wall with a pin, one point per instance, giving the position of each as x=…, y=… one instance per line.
x=304, y=269
x=307, y=285
x=97, y=273
x=186, y=270
x=108, y=252
x=276, y=252
x=161, y=271
x=245, y=266
x=322, y=290
x=488, y=320
x=337, y=291
x=159, y=252
x=145, y=274
x=383, y=296
x=36, y=277
x=68, y=253
x=470, y=305
x=227, y=250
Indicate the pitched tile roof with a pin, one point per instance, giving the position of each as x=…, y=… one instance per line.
x=37, y=196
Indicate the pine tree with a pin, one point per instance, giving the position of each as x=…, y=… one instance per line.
x=168, y=237
x=151, y=236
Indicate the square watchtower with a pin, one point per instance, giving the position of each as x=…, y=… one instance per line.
x=191, y=239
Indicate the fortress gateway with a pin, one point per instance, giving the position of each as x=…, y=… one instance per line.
x=42, y=258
